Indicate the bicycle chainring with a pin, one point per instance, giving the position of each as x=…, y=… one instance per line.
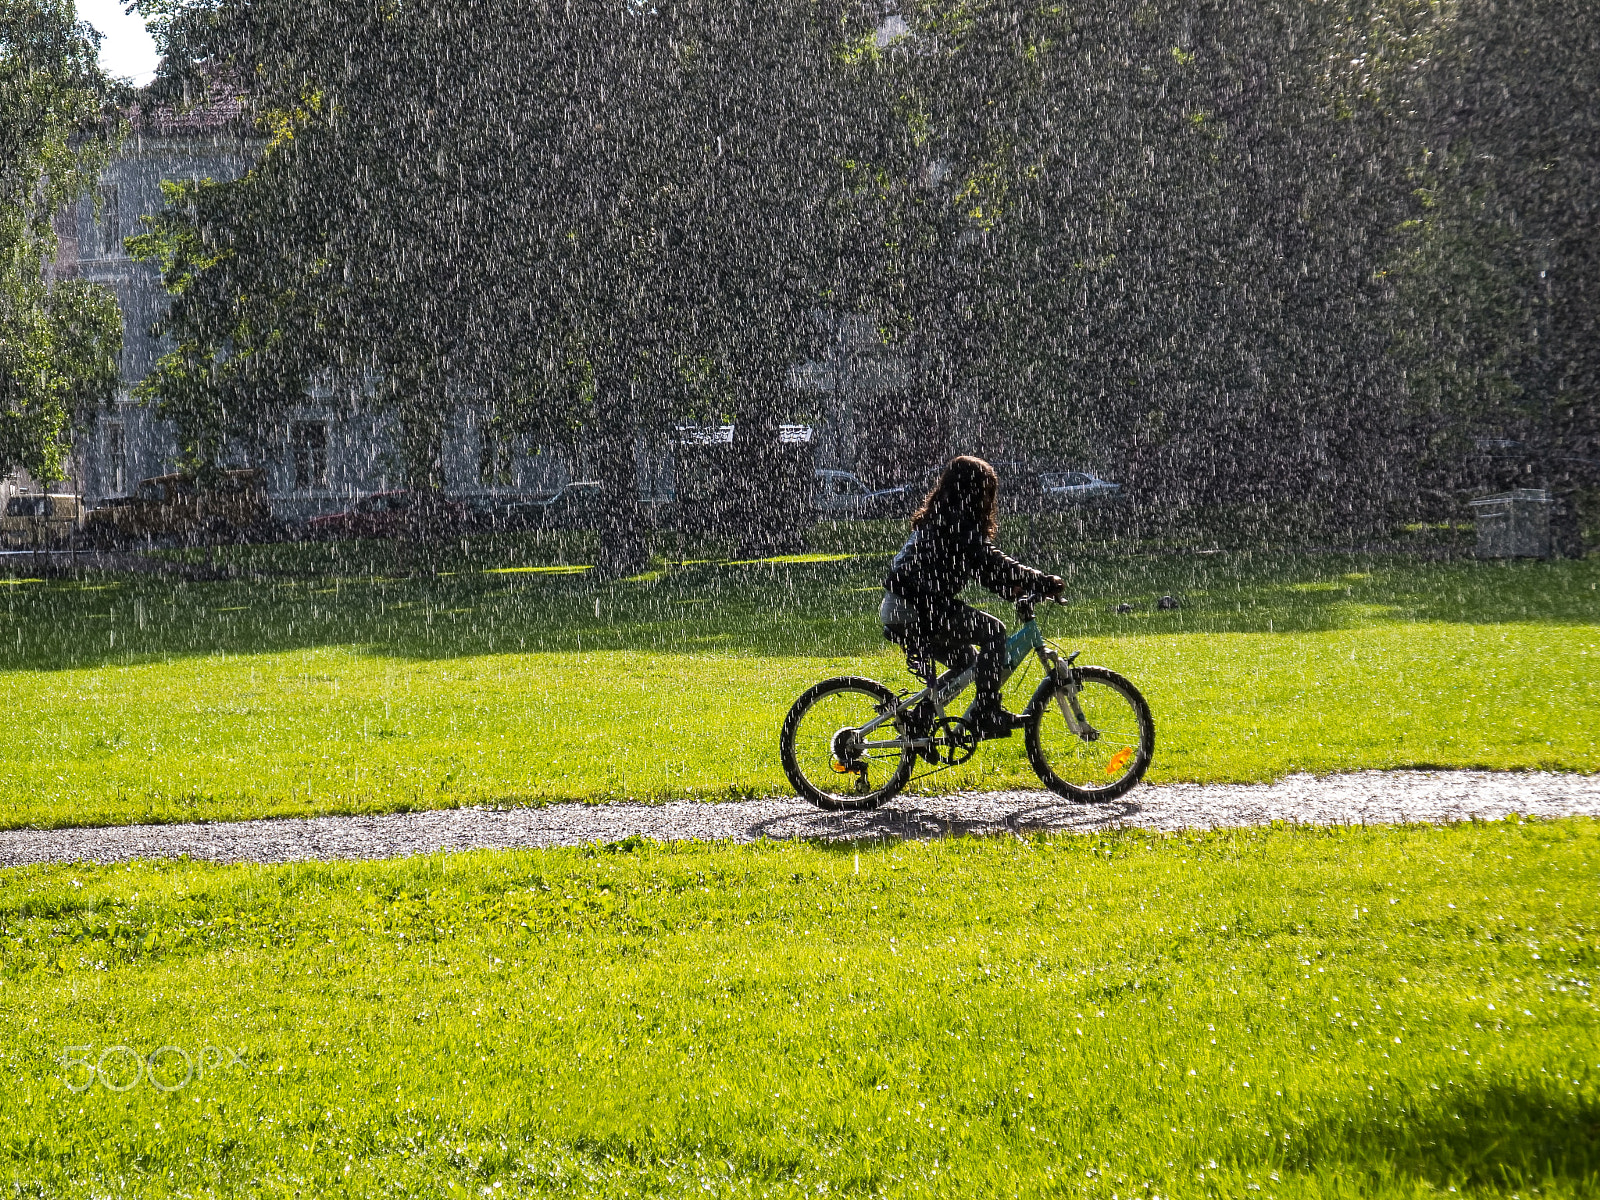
x=955, y=741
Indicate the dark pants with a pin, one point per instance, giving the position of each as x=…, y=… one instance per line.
x=959, y=636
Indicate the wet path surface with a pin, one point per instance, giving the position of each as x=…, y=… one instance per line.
x=1375, y=797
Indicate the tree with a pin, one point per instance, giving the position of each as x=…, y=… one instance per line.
x=757, y=220
x=1499, y=277
x=1147, y=235
x=1167, y=236
x=453, y=204
x=485, y=202
x=381, y=241
x=58, y=338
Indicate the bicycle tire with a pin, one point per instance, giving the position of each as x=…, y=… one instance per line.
x=1042, y=708
x=791, y=754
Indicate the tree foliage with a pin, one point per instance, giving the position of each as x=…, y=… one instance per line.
x=1499, y=271
x=58, y=339
x=549, y=210
x=1232, y=253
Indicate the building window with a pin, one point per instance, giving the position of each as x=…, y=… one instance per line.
x=308, y=441
x=110, y=222
x=116, y=458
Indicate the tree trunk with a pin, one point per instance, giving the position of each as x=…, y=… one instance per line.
x=623, y=549
x=773, y=481
x=421, y=418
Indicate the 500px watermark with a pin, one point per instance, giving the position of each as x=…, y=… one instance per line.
x=121, y=1068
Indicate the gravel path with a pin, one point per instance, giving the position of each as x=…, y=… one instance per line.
x=1373, y=797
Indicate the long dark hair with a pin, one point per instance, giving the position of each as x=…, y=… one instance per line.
x=969, y=488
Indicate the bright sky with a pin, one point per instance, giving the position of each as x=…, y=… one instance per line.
x=126, y=48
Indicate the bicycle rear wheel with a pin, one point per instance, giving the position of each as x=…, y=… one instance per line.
x=827, y=761
x=1106, y=761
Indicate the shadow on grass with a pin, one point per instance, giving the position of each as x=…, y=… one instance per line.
x=489, y=604
x=1503, y=1139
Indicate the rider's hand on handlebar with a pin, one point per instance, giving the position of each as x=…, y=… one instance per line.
x=1053, y=587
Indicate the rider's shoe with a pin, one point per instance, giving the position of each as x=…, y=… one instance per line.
x=990, y=719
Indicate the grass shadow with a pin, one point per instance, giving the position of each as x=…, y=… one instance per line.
x=506, y=596
x=1531, y=1138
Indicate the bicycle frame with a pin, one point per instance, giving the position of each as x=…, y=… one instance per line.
x=1019, y=645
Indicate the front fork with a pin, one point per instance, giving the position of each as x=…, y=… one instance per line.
x=1069, y=682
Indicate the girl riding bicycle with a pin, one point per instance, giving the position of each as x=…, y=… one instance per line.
x=951, y=545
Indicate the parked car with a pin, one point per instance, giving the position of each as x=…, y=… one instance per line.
x=1076, y=487
x=184, y=508
x=390, y=514
x=40, y=521
x=842, y=495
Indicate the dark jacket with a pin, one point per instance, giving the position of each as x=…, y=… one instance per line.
x=941, y=559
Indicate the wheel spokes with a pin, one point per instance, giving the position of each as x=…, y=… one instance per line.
x=829, y=728
x=1103, y=740
x=1114, y=751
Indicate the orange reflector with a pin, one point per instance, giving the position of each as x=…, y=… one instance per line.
x=840, y=767
x=1119, y=760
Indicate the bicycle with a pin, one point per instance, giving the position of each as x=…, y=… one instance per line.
x=1088, y=731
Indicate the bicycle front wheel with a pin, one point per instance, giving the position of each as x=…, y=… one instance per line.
x=1112, y=752
x=825, y=757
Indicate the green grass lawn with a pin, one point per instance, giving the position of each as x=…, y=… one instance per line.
x=1287, y=1012
x=513, y=676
